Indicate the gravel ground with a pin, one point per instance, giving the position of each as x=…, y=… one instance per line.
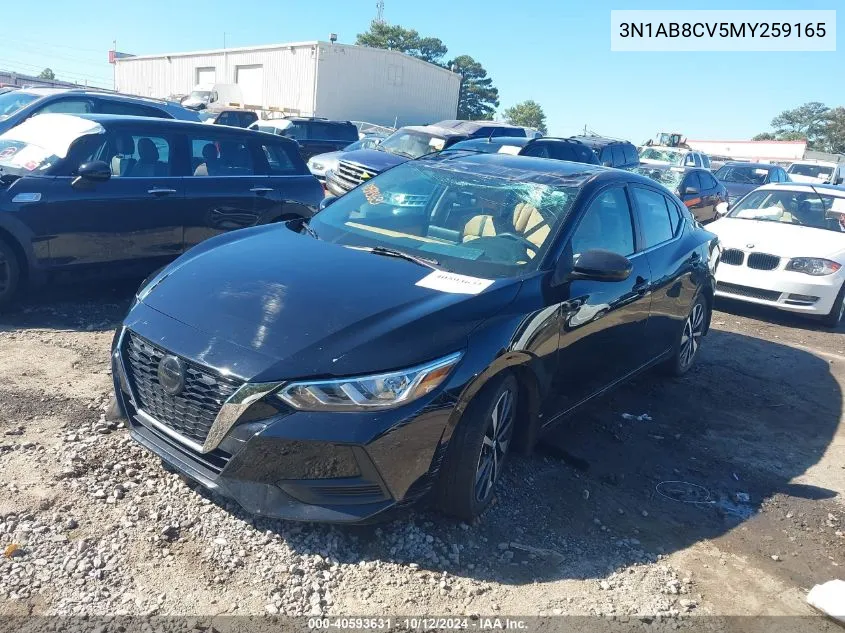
x=714, y=494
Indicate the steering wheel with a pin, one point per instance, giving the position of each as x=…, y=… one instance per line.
x=520, y=238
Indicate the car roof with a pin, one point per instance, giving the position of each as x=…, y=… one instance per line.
x=119, y=119
x=600, y=141
x=517, y=141
x=833, y=190
x=470, y=127
x=739, y=163
x=529, y=168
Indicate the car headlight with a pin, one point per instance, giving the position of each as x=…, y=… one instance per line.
x=815, y=266
x=380, y=391
x=316, y=165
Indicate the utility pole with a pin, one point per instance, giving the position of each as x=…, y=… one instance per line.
x=379, y=12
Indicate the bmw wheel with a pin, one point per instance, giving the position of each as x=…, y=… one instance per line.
x=689, y=342
x=478, y=450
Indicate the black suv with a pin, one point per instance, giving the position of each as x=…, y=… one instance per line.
x=408, y=143
x=570, y=149
x=315, y=135
x=612, y=152
x=100, y=195
x=18, y=105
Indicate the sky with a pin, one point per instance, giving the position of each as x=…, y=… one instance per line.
x=556, y=52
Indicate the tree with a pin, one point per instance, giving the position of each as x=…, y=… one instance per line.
x=478, y=98
x=834, y=131
x=528, y=114
x=764, y=136
x=47, y=73
x=807, y=121
x=398, y=38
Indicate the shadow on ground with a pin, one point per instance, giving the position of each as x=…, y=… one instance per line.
x=607, y=490
x=774, y=317
x=91, y=306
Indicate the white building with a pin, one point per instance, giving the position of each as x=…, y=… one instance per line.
x=336, y=81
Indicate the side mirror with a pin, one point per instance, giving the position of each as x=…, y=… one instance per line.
x=722, y=208
x=600, y=265
x=95, y=171
x=329, y=199
x=689, y=191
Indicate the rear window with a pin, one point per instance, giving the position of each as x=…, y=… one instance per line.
x=320, y=131
x=630, y=152
x=107, y=106
x=283, y=161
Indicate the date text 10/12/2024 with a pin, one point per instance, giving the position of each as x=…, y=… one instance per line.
x=418, y=624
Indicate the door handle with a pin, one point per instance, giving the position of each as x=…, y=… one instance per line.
x=261, y=190
x=159, y=191
x=641, y=285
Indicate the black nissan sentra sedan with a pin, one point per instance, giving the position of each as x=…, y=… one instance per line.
x=333, y=370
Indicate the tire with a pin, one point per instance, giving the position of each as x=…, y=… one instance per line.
x=10, y=274
x=478, y=450
x=837, y=313
x=688, y=343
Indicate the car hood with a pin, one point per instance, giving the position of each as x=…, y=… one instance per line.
x=738, y=189
x=776, y=238
x=312, y=308
x=378, y=160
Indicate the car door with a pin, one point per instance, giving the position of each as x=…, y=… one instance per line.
x=690, y=192
x=224, y=189
x=132, y=220
x=603, y=323
x=662, y=226
x=292, y=190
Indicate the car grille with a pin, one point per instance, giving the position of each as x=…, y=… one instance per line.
x=747, y=291
x=349, y=175
x=192, y=412
x=762, y=261
x=733, y=256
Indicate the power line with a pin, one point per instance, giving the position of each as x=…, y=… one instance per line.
x=31, y=69
x=51, y=44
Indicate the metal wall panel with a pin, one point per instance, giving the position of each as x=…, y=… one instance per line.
x=288, y=73
x=380, y=86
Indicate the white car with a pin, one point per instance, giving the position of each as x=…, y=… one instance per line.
x=817, y=171
x=783, y=245
x=676, y=156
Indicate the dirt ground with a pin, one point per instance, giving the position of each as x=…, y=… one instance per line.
x=725, y=498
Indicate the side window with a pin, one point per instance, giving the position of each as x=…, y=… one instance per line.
x=631, y=157
x=606, y=156
x=280, y=162
x=247, y=118
x=705, y=161
x=606, y=224
x=676, y=216
x=227, y=118
x=653, y=212
x=689, y=160
x=540, y=150
x=618, y=156
x=296, y=131
x=221, y=157
x=107, y=106
x=67, y=106
x=693, y=180
x=132, y=155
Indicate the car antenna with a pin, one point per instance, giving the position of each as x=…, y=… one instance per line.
x=824, y=206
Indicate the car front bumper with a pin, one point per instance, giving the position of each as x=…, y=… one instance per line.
x=781, y=289
x=287, y=464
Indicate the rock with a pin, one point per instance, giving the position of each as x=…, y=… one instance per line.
x=644, y=513
x=775, y=557
x=272, y=609
x=70, y=524
x=586, y=494
x=604, y=585
x=503, y=546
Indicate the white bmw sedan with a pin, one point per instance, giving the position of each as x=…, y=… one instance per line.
x=783, y=245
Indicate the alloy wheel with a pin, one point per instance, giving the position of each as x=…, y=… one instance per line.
x=494, y=445
x=693, y=330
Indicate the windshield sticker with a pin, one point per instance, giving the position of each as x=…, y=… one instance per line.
x=437, y=143
x=373, y=194
x=454, y=283
x=509, y=149
x=761, y=172
x=30, y=165
x=9, y=151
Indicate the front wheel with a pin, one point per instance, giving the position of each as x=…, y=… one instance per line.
x=837, y=312
x=478, y=450
x=9, y=274
x=687, y=345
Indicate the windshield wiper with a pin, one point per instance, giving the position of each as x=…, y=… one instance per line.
x=399, y=152
x=303, y=225
x=392, y=252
